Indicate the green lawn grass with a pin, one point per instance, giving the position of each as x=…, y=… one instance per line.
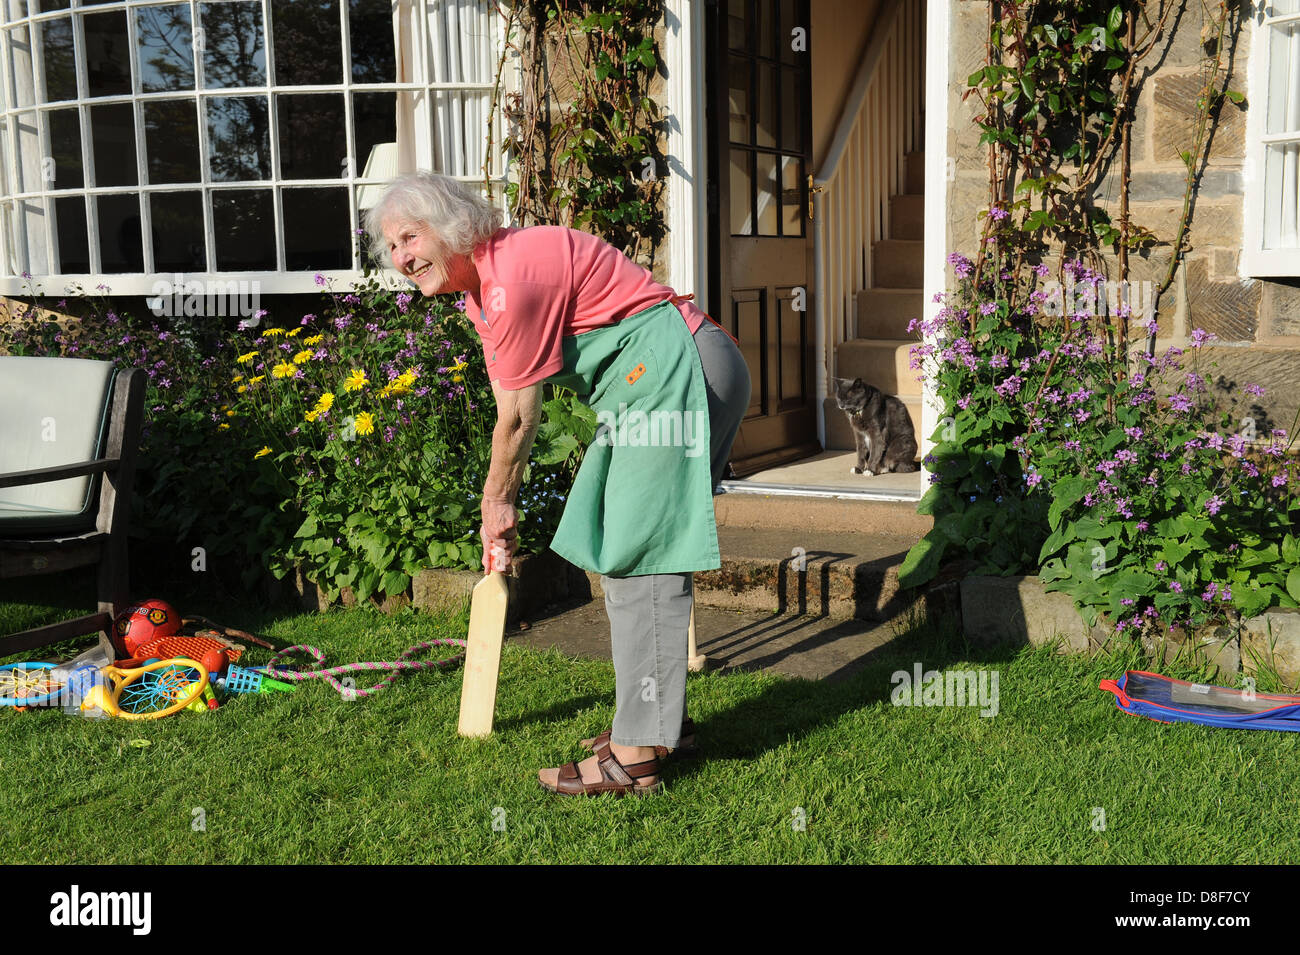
x=311, y=778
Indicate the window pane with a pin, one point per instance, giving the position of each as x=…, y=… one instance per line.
x=11, y=10
x=375, y=119
x=243, y=223
x=1282, y=92
x=738, y=98
x=20, y=83
x=741, y=222
x=765, y=134
x=108, y=60
x=792, y=207
x=178, y=232
x=234, y=49
x=737, y=23
x=308, y=45
x=766, y=28
x=48, y=5
x=112, y=130
x=789, y=21
x=791, y=115
x=239, y=141
x=120, y=248
x=316, y=234
x=768, y=197
x=171, y=131
x=74, y=248
x=65, y=149
x=1282, y=187
x=166, y=53
x=60, y=65
x=31, y=173
x=312, y=141
x=371, y=26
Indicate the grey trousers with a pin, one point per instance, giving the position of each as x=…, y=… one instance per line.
x=649, y=615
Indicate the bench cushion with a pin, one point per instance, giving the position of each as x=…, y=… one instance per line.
x=55, y=411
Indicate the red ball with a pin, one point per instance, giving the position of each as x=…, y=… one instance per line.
x=214, y=661
x=137, y=625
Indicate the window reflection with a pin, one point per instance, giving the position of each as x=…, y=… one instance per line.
x=313, y=144
x=60, y=64
x=171, y=132
x=108, y=59
x=234, y=49
x=165, y=48
x=239, y=140
x=308, y=44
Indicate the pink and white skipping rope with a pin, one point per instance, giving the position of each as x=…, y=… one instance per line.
x=330, y=675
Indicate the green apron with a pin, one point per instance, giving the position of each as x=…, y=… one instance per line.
x=642, y=502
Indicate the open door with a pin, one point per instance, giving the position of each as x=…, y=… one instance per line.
x=760, y=237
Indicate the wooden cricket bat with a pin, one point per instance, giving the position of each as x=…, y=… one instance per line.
x=487, y=629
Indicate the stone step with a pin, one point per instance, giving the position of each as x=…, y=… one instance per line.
x=818, y=514
x=886, y=312
x=897, y=263
x=839, y=435
x=907, y=217
x=882, y=363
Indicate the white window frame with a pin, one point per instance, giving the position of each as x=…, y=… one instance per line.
x=1257, y=194
x=418, y=63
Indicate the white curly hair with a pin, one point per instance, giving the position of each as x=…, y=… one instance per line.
x=454, y=211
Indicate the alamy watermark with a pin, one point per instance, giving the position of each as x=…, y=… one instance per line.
x=1100, y=298
x=210, y=299
x=638, y=429
x=954, y=688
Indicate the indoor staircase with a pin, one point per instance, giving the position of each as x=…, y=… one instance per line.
x=879, y=355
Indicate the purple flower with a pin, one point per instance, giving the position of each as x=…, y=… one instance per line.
x=1214, y=504
x=1200, y=337
x=1142, y=526
x=961, y=265
x=1175, y=586
x=1180, y=402
x=1034, y=479
x=1255, y=390
x=997, y=214
x=320, y=279
x=988, y=308
x=403, y=302
x=1161, y=566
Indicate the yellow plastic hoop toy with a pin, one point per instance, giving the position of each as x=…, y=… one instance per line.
x=149, y=692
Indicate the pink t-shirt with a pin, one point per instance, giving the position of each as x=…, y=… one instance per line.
x=543, y=283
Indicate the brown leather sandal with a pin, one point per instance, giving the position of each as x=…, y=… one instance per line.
x=685, y=742
x=615, y=777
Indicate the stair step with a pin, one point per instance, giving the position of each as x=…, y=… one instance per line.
x=914, y=171
x=897, y=263
x=886, y=312
x=844, y=574
x=882, y=363
x=789, y=512
x=907, y=217
x=839, y=434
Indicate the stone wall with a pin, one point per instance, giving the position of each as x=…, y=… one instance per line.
x=1257, y=321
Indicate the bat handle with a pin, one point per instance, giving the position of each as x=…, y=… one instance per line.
x=498, y=560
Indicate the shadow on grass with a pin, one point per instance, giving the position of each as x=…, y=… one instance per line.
x=792, y=709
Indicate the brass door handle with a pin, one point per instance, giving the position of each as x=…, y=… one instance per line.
x=811, y=191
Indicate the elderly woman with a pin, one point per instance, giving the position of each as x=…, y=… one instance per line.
x=669, y=388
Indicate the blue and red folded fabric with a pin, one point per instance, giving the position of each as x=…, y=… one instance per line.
x=1167, y=700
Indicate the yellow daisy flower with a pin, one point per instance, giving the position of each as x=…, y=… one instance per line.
x=273, y=332
x=242, y=389
x=245, y=358
x=261, y=454
x=314, y=340
x=459, y=366
x=295, y=332
x=236, y=379
x=302, y=357
x=253, y=381
x=365, y=423
x=312, y=415
x=457, y=378
x=230, y=414
x=284, y=370
x=356, y=381
x=325, y=402
x=223, y=427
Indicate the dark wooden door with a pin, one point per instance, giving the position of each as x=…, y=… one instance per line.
x=760, y=242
